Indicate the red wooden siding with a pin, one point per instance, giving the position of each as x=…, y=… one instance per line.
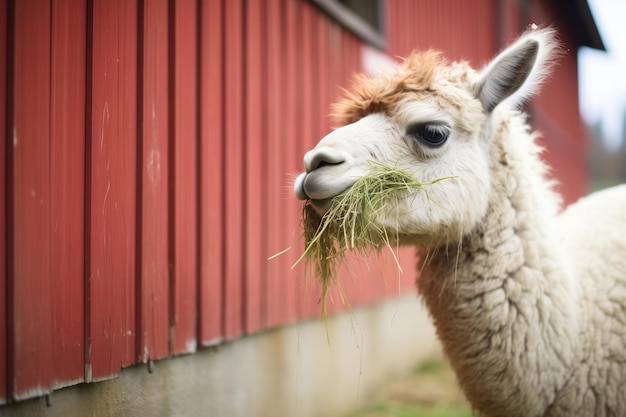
x=46, y=179
x=211, y=150
x=184, y=200
x=112, y=188
x=233, y=234
x=67, y=184
x=274, y=155
x=153, y=236
x=3, y=205
x=30, y=302
x=465, y=30
x=293, y=156
x=146, y=172
x=254, y=256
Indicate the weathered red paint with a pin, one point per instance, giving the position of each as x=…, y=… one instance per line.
x=274, y=116
x=185, y=148
x=112, y=148
x=254, y=255
x=423, y=24
x=67, y=185
x=211, y=173
x=233, y=233
x=153, y=277
x=293, y=155
x=30, y=302
x=3, y=202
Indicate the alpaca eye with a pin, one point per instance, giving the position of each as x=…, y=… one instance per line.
x=430, y=134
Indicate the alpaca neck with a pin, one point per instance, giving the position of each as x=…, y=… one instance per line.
x=502, y=301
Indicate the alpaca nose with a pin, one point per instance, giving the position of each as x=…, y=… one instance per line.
x=317, y=183
x=318, y=158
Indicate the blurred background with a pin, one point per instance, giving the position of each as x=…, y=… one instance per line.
x=603, y=95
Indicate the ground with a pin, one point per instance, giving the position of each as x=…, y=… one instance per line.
x=430, y=391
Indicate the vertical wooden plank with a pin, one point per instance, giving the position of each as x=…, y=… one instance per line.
x=30, y=309
x=255, y=254
x=396, y=22
x=211, y=173
x=153, y=280
x=3, y=202
x=67, y=156
x=305, y=116
x=473, y=38
x=233, y=172
x=292, y=161
x=183, y=321
x=297, y=152
x=276, y=117
x=507, y=26
x=112, y=147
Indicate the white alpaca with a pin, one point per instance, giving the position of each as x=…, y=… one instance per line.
x=530, y=306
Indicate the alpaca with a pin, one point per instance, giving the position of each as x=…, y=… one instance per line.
x=529, y=304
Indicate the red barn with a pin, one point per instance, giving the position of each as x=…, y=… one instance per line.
x=145, y=181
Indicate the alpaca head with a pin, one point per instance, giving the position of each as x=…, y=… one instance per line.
x=433, y=120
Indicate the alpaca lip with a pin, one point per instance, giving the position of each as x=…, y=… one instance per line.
x=315, y=186
x=321, y=206
x=298, y=187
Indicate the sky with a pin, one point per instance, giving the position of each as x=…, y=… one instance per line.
x=603, y=74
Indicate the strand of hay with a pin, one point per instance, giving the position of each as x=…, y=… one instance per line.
x=350, y=224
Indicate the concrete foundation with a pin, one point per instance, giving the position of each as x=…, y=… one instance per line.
x=291, y=371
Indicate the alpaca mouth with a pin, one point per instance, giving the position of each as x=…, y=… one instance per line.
x=311, y=189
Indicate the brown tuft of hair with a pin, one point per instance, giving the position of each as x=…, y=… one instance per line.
x=369, y=95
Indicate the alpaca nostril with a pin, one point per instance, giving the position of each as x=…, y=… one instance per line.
x=317, y=159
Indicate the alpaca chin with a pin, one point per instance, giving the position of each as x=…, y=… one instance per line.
x=321, y=206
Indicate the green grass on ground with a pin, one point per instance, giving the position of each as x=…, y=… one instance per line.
x=430, y=391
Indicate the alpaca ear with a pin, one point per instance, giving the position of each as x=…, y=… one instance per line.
x=517, y=72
